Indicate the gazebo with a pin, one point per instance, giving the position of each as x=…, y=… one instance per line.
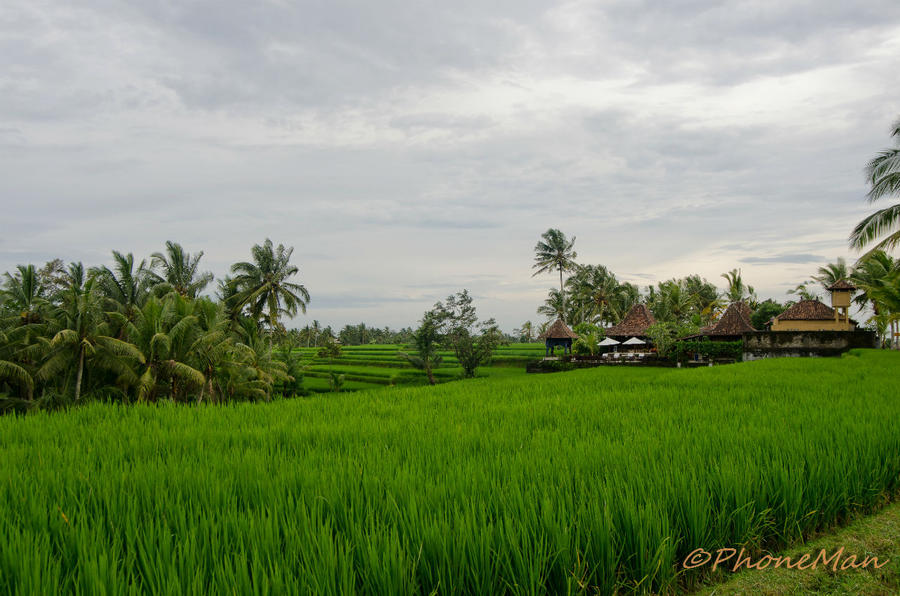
x=558, y=335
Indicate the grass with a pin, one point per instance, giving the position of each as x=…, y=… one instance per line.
x=877, y=535
x=598, y=480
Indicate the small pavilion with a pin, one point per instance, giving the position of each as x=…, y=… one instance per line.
x=558, y=335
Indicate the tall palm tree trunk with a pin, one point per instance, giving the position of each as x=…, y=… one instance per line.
x=79, y=374
x=562, y=295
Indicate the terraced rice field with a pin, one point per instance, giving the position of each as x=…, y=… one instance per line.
x=371, y=366
x=591, y=481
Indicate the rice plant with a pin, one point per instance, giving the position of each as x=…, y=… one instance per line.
x=594, y=481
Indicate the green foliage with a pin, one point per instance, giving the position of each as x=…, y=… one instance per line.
x=427, y=342
x=607, y=477
x=330, y=349
x=589, y=338
x=473, y=343
x=664, y=335
x=764, y=312
x=125, y=333
x=708, y=349
x=883, y=226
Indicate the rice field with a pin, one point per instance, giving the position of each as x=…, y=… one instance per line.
x=372, y=366
x=594, y=481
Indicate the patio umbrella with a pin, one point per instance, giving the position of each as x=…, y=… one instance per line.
x=609, y=342
x=634, y=342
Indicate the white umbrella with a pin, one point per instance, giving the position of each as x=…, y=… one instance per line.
x=633, y=342
x=609, y=342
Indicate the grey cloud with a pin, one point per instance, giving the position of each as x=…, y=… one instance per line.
x=790, y=258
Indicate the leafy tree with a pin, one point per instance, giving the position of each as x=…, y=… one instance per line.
x=330, y=349
x=589, y=338
x=554, y=252
x=264, y=287
x=764, y=312
x=665, y=334
x=883, y=226
x=179, y=270
x=427, y=342
x=473, y=343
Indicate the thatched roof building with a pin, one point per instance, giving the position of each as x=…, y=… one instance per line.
x=731, y=326
x=635, y=323
x=558, y=330
x=558, y=335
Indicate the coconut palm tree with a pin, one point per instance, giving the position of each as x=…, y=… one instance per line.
x=883, y=226
x=737, y=289
x=804, y=292
x=11, y=371
x=125, y=287
x=598, y=291
x=263, y=286
x=83, y=336
x=23, y=294
x=179, y=270
x=163, y=331
x=554, y=252
x=832, y=273
x=877, y=276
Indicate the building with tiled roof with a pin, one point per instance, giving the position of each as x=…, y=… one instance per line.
x=812, y=315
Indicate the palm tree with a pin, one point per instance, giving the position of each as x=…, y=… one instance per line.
x=883, y=226
x=163, y=330
x=316, y=329
x=84, y=336
x=877, y=276
x=526, y=331
x=124, y=286
x=180, y=270
x=264, y=286
x=554, y=252
x=804, y=292
x=23, y=293
x=832, y=273
x=598, y=290
x=12, y=372
x=737, y=289
x=554, y=306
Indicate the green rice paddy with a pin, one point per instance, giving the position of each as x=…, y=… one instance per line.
x=591, y=481
x=371, y=366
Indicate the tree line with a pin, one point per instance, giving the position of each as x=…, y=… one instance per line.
x=143, y=331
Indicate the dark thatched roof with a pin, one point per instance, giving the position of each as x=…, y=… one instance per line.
x=807, y=310
x=634, y=324
x=558, y=330
x=841, y=284
x=734, y=321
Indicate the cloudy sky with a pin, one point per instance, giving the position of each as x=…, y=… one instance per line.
x=409, y=149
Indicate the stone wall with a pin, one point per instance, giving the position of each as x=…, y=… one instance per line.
x=779, y=344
